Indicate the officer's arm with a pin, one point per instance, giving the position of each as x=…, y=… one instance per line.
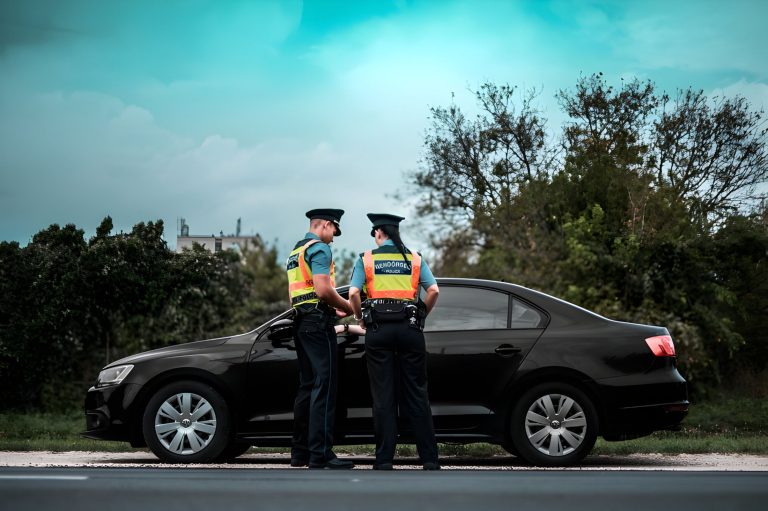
x=354, y=300
x=327, y=293
x=431, y=299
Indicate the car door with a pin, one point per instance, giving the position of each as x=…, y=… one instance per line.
x=476, y=339
x=273, y=379
x=354, y=417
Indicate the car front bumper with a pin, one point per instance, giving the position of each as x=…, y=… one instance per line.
x=107, y=414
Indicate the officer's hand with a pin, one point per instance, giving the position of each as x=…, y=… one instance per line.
x=340, y=313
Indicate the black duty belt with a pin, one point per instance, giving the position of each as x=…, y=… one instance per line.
x=317, y=306
x=393, y=310
x=303, y=298
x=387, y=301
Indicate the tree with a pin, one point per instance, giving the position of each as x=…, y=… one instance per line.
x=634, y=221
x=475, y=168
x=474, y=171
x=266, y=294
x=710, y=152
x=606, y=145
x=44, y=327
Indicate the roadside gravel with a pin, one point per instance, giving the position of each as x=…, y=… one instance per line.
x=142, y=459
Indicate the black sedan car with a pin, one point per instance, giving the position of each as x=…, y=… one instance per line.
x=506, y=365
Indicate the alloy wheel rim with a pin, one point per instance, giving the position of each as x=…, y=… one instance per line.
x=555, y=425
x=185, y=423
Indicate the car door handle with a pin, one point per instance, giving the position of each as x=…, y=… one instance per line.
x=507, y=350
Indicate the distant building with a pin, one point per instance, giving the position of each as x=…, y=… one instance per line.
x=215, y=243
x=212, y=243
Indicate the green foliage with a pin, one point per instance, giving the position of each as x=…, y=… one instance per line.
x=68, y=307
x=267, y=289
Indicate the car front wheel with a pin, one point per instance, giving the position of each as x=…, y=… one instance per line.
x=553, y=424
x=186, y=422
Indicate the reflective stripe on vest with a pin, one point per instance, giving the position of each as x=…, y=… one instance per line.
x=390, y=281
x=301, y=286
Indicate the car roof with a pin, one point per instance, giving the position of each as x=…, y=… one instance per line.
x=549, y=303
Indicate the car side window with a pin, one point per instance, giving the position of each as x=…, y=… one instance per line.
x=468, y=308
x=524, y=316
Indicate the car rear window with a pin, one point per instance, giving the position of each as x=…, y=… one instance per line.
x=468, y=308
x=524, y=316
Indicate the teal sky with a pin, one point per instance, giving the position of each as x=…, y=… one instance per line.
x=214, y=110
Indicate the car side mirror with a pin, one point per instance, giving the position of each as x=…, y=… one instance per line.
x=281, y=331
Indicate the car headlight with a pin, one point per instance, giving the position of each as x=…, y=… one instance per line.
x=113, y=375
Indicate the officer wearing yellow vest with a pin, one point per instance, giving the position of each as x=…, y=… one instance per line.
x=391, y=276
x=311, y=286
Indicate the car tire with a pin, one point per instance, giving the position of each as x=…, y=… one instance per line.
x=553, y=425
x=187, y=422
x=232, y=451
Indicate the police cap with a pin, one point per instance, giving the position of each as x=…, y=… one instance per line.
x=334, y=215
x=381, y=219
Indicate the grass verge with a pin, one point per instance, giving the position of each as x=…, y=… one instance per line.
x=50, y=432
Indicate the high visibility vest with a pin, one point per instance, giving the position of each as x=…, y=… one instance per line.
x=387, y=275
x=300, y=284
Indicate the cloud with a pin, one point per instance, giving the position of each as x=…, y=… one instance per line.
x=754, y=92
x=81, y=156
x=701, y=36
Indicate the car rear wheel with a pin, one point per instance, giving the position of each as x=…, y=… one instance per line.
x=186, y=422
x=553, y=424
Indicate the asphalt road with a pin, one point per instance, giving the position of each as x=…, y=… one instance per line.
x=298, y=490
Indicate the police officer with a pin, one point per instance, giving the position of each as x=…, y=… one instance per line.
x=313, y=295
x=391, y=276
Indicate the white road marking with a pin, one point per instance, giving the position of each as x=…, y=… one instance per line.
x=56, y=478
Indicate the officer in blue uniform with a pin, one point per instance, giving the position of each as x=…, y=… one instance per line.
x=315, y=300
x=395, y=351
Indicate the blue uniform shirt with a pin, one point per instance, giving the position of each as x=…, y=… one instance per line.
x=318, y=256
x=426, y=278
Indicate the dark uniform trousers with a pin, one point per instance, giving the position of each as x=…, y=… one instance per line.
x=315, y=406
x=397, y=368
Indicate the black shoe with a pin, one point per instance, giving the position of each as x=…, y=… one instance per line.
x=431, y=466
x=299, y=462
x=382, y=466
x=334, y=464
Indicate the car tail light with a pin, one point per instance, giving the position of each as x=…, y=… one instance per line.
x=661, y=345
